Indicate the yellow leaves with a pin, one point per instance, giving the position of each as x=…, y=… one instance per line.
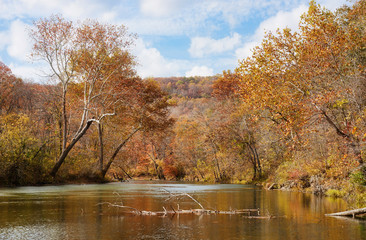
x=15, y=135
x=294, y=75
x=354, y=130
x=340, y=103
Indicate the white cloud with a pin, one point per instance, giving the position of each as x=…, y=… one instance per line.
x=282, y=20
x=160, y=8
x=333, y=4
x=236, y=11
x=279, y=21
x=246, y=50
x=155, y=26
x=4, y=39
x=202, y=46
x=26, y=72
x=152, y=63
x=19, y=45
x=192, y=17
x=200, y=71
x=41, y=8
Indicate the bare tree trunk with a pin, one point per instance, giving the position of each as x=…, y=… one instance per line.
x=64, y=120
x=257, y=160
x=101, y=147
x=253, y=159
x=217, y=178
x=124, y=171
x=156, y=167
x=201, y=174
x=219, y=175
x=60, y=141
x=255, y=171
x=351, y=213
x=108, y=165
x=195, y=164
x=66, y=151
x=354, y=143
x=357, y=150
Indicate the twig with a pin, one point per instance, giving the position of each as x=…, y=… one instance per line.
x=179, y=194
x=119, y=206
x=173, y=208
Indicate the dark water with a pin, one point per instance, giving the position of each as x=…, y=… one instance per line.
x=76, y=212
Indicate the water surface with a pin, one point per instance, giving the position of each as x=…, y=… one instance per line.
x=80, y=212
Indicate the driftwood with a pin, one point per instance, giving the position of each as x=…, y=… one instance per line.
x=252, y=213
x=350, y=213
x=272, y=186
x=130, y=210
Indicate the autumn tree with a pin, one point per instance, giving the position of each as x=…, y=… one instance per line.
x=22, y=158
x=11, y=90
x=297, y=78
x=86, y=55
x=189, y=148
x=144, y=107
x=226, y=86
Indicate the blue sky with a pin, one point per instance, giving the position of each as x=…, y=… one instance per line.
x=175, y=37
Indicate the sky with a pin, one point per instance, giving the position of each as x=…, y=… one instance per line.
x=175, y=37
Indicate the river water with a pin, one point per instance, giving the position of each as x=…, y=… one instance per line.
x=82, y=212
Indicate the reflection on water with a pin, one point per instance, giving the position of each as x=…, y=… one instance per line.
x=77, y=212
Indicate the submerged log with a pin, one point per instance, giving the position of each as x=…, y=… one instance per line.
x=350, y=213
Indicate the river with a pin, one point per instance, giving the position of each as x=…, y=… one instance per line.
x=82, y=212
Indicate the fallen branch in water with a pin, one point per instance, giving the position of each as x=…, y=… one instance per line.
x=350, y=213
x=134, y=210
x=252, y=213
x=131, y=210
x=180, y=194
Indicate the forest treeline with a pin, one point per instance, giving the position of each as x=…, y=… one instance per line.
x=291, y=115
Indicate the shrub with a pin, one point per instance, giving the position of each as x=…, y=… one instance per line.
x=335, y=193
x=359, y=177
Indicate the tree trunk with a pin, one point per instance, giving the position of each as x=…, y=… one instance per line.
x=156, y=167
x=350, y=213
x=357, y=151
x=64, y=120
x=254, y=172
x=66, y=151
x=108, y=165
x=60, y=141
x=255, y=160
x=354, y=143
x=201, y=174
x=215, y=175
x=101, y=147
x=219, y=175
x=123, y=170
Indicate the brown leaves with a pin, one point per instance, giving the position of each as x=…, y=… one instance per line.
x=11, y=88
x=226, y=86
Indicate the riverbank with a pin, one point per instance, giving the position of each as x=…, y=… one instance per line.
x=349, y=189
x=353, y=193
